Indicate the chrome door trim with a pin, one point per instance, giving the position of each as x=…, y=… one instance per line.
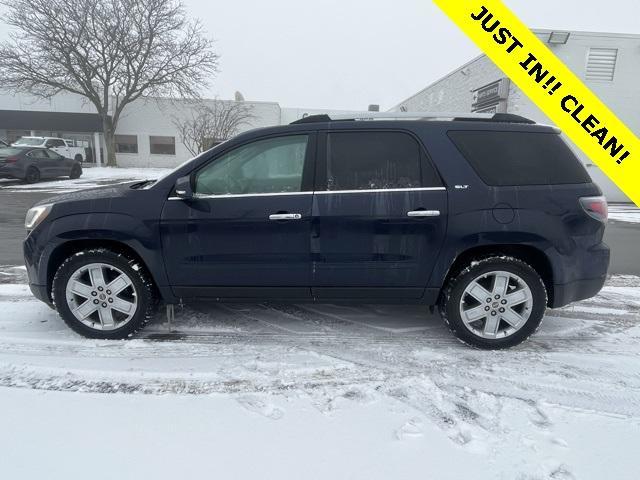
x=423, y=213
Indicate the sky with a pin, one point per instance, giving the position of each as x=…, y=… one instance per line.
x=347, y=54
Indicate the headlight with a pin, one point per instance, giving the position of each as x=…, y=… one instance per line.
x=36, y=215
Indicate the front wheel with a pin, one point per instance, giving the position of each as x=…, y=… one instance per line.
x=103, y=294
x=496, y=302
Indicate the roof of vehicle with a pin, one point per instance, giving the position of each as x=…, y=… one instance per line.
x=404, y=116
x=40, y=138
x=404, y=120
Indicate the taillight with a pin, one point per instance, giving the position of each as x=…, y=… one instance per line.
x=596, y=207
x=11, y=160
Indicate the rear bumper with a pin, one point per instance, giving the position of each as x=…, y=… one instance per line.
x=589, y=274
x=574, y=291
x=11, y=172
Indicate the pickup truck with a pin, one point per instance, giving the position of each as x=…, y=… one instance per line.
x=63, y=147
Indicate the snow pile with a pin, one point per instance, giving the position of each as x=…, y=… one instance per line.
x=322, y=391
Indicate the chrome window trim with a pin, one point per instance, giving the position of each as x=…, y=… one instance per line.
x=240, y=195
x=320, y=192
x=382, y=190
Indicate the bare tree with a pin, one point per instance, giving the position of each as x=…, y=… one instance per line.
x=207, y=124
x=111, y=52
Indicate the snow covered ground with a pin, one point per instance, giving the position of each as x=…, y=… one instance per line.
x=624, y=212
x=320, y=391
x=91, y=177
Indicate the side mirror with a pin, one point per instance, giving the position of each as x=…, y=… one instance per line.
x=183, y=188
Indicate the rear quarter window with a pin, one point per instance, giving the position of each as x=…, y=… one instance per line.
x=520, y=158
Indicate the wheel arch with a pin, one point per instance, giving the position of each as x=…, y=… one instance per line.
x=65, y=250
x=529, y=254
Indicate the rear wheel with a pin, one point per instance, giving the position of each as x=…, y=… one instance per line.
x=76, y=171
x=103, y=294
x=496, y=302
x=32, y=175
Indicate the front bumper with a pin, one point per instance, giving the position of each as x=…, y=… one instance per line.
x=40, y=292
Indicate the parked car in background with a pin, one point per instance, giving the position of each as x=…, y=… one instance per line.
x=66, y=148
x=3, y=144
x=33, y=164
x=492, y=219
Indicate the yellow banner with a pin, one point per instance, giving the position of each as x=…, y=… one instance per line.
x=552, y=87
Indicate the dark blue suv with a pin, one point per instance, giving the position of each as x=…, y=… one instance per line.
x=491, y=219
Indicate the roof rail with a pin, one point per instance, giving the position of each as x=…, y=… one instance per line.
x=492, y=117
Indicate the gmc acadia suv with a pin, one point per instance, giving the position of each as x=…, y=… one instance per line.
x=491, y=219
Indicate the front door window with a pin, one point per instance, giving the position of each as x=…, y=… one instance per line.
x=273, y=165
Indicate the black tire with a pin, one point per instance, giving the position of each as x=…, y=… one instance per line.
x=141, y=283
x=32, y=175
x=450, y=303
x=76, y=172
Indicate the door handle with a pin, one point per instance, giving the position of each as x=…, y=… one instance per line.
x=423, y=213
x=285, y=216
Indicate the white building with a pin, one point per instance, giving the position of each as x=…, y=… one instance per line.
x=146, y=135
x=608, y=63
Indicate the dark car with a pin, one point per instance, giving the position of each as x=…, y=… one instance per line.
x=492, y=219
x=33, y=164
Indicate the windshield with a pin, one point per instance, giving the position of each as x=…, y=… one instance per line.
x=31, y=141
x=8, y=151
x=183, y=164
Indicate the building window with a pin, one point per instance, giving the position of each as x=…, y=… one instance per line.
x=126, y=143
x=162, y=145
x=601, y=64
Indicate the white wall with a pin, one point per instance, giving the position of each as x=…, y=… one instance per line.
x=454, y=92
x=63, y=102
x=153, y=117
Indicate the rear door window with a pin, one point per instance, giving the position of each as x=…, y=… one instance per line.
x=376, y=160
x=520, y=158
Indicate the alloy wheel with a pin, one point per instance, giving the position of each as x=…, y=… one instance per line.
x=496, y=304
x=101, y=296
x=33, y=175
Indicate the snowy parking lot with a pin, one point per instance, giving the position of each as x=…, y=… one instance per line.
x=316, y=391
x=348, y=392
x=91, y=177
